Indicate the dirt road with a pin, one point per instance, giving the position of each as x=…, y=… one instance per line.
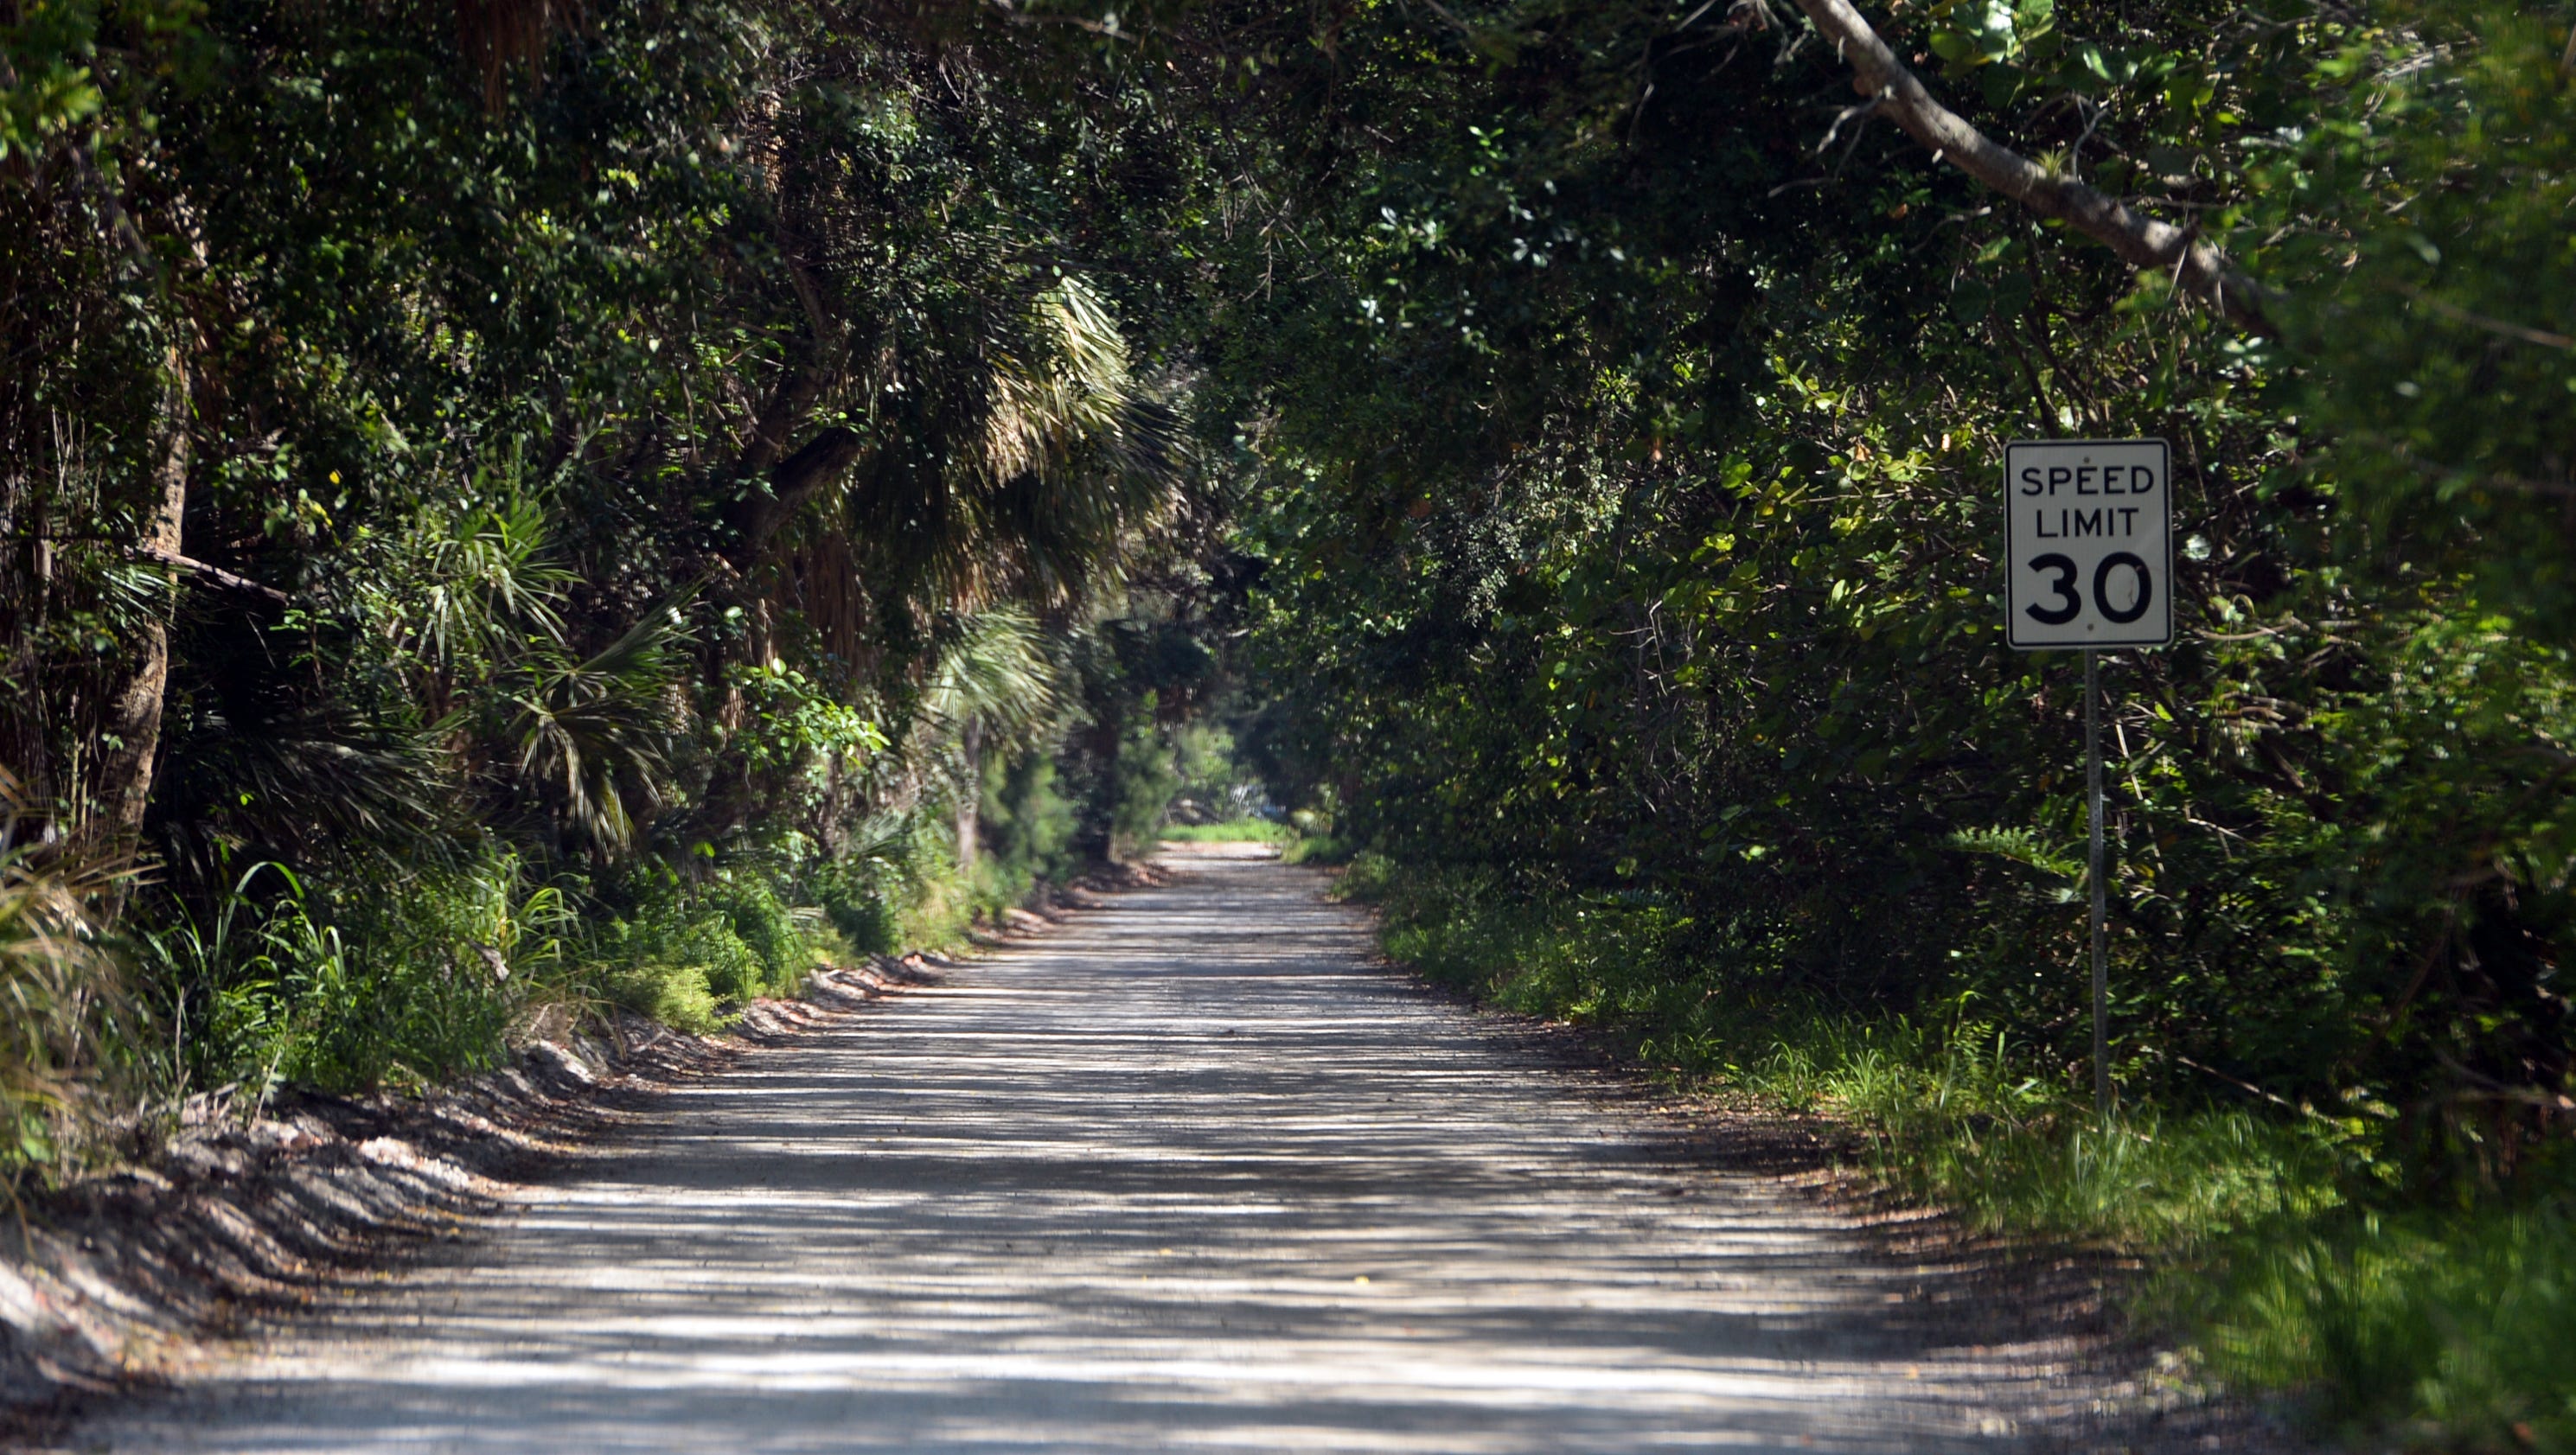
x=1188, y=1175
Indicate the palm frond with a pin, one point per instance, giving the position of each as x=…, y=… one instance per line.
x=594, y=736
x=994, y=671
x=1035, y=466
x=482, y=577
x=2024, y=847
x=292, y=779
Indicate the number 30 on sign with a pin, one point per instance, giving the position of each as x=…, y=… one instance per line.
x=2090, y=542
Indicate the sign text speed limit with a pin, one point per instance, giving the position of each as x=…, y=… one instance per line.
x=2089, y=544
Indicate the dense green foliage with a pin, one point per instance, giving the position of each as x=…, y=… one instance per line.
x=508, y=508
x=1630, y=535
x=1624, y=473
x=2436, y=1323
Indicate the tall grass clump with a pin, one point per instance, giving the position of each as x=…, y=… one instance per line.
x=1950, y=1115
x=395, y=982
x=65, y=1016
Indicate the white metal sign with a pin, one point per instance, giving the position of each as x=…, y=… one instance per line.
x=2089, y=543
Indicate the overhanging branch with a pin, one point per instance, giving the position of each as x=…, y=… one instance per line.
x=212, y=576
x=2195, y=266
x=793, y=482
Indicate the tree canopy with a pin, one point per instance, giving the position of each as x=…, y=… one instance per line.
x=631, y=487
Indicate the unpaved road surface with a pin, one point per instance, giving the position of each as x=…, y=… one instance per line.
x=1189, y=1174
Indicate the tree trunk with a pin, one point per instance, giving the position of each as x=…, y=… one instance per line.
x=26, y=583
x=970, y=796
x=134, y=712
x=793, y=482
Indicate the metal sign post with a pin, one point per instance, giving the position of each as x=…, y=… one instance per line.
x=2088, y=543
x=2093, y=881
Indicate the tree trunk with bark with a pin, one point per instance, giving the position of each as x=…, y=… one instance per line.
x=134, y=710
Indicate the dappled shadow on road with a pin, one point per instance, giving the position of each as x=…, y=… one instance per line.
x=1190, y=1175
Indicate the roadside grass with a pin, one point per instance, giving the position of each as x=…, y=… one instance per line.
x=1946, y=1109
x=2420, y=1330
x=1317, y=849
x=1950, y=1118
x=403, y=982
x=1232, y=831
x=351, y=979
x=1298, y=843
x=2449, y=1330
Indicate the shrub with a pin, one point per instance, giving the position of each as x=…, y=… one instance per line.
x=674, y=934
x=858, y=902
x=774, y=934
x=1951, y=1111
x=1028, y=820
x=675, y=995
x=1146, y=781
x=400, y=981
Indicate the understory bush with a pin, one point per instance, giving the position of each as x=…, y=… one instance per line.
x=676, y=956
x=393, y=982
x=1951, y=1110
x=403, y=981
x=1147, y=781
x=859, y=907
x=1030, y=825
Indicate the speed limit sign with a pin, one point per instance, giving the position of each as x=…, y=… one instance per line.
x=2089, y=544
x=2088, y=553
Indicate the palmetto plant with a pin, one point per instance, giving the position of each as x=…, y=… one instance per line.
x=593, y=736
x=1035, y=466
x=993, y=672
x=993, y=687
x=472, y=605
x=487, y=576
x=1079, y=460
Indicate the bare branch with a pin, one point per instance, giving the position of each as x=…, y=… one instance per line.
x=210, y=575
x=822, y=461
x=2457, y=314
x=2143, y=242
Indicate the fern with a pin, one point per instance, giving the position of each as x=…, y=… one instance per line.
x=2026, y=848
